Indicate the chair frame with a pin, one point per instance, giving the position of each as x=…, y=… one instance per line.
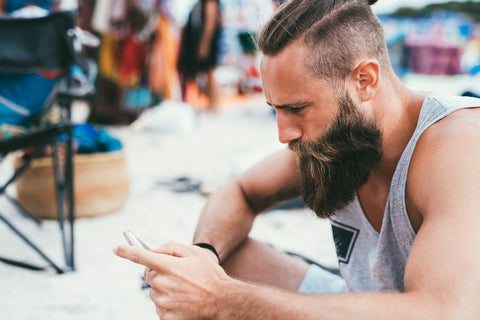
x=64, y=93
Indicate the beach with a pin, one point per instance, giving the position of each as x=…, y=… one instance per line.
x=197, y=146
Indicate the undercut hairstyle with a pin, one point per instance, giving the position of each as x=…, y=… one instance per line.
x=335, y=32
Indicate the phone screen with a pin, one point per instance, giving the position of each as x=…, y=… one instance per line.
x=133, y=240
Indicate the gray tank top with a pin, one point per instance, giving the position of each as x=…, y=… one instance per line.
x=373, y=261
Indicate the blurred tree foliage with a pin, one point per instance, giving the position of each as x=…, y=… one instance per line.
x=468, y=8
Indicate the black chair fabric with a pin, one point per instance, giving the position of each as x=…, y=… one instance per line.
x=37, y=44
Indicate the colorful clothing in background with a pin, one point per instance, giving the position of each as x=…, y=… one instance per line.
x=89, y=139
x=137, y=59
x=163, y=78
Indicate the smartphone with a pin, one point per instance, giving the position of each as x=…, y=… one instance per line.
x=133, y=240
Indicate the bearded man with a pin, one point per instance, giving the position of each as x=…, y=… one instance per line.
x=397, y=173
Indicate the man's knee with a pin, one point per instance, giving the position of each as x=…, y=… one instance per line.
x=258, y=262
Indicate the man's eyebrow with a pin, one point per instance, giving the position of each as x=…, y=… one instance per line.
x=288, y=105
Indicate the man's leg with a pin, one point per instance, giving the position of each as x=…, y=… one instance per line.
x=212, y=90
x=257, y=262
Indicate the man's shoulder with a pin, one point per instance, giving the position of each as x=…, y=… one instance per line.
x=453, y=130
x=444, y=117
x=448, y=141
x=454, y=101
x=446, y=154
x=455, y=127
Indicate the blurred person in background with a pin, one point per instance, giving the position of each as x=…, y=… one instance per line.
x=396, y=171
x=199, y=47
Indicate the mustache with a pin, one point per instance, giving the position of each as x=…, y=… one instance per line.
x=342, y=140
x=335, y=165
x=319, y=150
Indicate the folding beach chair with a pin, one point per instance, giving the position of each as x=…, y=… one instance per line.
x=29, y=46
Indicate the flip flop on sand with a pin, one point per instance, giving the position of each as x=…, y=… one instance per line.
x=181, y=184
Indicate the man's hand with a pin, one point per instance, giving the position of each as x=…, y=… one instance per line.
x=185, y=279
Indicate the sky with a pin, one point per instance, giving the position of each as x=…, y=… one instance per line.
x=388, y=6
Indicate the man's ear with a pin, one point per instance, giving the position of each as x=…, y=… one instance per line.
x=366, y=77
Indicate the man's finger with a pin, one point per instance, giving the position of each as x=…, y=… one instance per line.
x=174, y=249
x=146, y=271
x=144, y=257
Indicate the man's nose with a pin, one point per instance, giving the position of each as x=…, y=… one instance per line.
x=288, y=130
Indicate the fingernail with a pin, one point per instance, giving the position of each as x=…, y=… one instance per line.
x=115, y=249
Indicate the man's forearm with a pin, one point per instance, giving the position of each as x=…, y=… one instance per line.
x=226, y=220
x=239, y=300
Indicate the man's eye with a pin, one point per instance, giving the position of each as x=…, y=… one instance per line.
x=297, y=110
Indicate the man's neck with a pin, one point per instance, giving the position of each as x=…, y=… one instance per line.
x=398, y=112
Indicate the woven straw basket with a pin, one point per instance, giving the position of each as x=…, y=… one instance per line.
x=101, y=185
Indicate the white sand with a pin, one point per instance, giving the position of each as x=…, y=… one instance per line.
x=106, y=287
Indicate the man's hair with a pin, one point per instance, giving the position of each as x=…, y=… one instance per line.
x=335, y=33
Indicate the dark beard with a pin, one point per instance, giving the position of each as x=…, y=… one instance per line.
x=340, y=162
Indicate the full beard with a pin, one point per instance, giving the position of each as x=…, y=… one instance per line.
x=335, y=166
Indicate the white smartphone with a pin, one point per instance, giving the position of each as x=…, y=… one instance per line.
x=133, y=240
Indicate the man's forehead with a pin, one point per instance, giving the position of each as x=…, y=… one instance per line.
x=287, y=66
x=292, y=53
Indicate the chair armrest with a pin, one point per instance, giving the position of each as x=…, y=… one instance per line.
x=34, y=137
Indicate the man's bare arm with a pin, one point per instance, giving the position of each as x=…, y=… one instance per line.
x=229, y=213
x=187, y=284
x=444, y=180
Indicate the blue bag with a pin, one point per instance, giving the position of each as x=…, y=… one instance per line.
x=22, y=97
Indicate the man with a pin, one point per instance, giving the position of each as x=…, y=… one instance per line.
x=397, y=172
